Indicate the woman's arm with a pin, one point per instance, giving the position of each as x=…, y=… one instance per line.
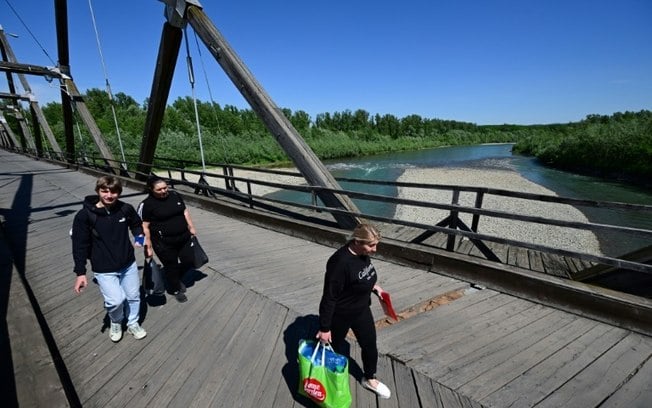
x=148, y=240
x=191, y=226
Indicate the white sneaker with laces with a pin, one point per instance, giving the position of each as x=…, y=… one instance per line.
x=115, y=332
x=381, y=389
x=137, y=331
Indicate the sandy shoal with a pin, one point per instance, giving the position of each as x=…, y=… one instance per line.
x=556, y=237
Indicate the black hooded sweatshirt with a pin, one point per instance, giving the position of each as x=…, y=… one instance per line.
x=111, y=249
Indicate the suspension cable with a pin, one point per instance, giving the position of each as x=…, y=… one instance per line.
x=191, y=78
x=213, y=104
x=108, y=87
x=30, y=32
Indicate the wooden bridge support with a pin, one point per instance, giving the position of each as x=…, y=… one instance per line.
x=167, y=56
x=279, y=126
x=37, y=114
x=178, y=12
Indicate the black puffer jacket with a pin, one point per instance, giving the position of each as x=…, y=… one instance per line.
x=104, y=236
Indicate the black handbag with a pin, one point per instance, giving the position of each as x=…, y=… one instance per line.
x=153, y=276
x=201, y=258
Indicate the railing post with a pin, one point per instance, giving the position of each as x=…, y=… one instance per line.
x=476, y=217
x=227, y=180
x=450, y=243
x=251, y=199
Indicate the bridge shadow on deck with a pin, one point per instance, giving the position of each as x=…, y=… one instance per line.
x=16, y=220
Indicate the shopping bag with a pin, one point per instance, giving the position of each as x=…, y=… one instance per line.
x=153, y=276
x=201, y=258
x=323, y=375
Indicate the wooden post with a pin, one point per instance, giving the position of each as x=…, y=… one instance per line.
x=61, y=16
x=280, y=127
x=167, y=57
x=453, y=218
x=87, y=118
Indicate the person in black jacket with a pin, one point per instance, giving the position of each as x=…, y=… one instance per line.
x=100, y=232
x=345, y=303
x=168, y=229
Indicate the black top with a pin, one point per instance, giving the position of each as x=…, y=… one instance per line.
x=111, y=249
x=347, y=286
x=165, y=215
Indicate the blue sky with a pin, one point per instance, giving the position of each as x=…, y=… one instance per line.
x=485, y=62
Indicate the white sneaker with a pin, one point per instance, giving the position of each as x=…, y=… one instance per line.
x=115, y=332
x=381, y=389
x=137, y=331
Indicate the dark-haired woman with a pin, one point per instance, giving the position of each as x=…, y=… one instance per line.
x=168, y=228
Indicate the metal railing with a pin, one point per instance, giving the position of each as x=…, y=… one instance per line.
x=228, y=186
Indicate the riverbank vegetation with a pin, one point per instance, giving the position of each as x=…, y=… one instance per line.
x=619, y=145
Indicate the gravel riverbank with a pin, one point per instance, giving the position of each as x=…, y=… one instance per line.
x=556, y=237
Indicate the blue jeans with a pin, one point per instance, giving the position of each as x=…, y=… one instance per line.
x=116, y=287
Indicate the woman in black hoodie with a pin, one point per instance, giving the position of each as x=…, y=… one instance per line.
x=100, y=232
x=350, y=279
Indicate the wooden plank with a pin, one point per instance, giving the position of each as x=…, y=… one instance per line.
x=361, y=397
x=453, y=330
x=31, y=373
x=623, y=361
x=555, y=265
x=637, y=392
x=385, y=373
x=164, y=339
x=226, y=360
x=112, y=360
x=255, y=353
x=536, y=263
x=280, y=377
x=425, y=391
x=546, y=378
x=516, y=356
x=451, y=399
x=477, y=344
x=182, y=378
x=406, y=392
x=394, y=335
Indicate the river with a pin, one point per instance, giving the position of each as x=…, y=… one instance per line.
x=499, y=156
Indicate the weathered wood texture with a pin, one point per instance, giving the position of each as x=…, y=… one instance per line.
x=233, y=344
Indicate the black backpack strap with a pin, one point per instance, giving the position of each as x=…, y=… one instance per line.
x=92, y=219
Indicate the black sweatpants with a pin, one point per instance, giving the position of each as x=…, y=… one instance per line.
x=176, y=255
x=363, y=328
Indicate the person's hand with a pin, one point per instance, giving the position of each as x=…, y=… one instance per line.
x=148, y=251
x=324, y=337
x=192, y=230
x=379, y=291
x=80, y=283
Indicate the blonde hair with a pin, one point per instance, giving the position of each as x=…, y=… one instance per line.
x=365, y=233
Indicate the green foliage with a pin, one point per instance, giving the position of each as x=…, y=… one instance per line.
x=620, y=144
x=610, y=146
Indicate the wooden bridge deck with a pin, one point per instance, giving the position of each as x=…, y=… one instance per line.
x=233, y=344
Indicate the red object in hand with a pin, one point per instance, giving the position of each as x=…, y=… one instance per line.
x=386, y=302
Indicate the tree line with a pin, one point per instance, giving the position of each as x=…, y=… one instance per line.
x=618, y=145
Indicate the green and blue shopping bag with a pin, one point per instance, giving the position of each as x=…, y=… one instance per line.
x=323, y=375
